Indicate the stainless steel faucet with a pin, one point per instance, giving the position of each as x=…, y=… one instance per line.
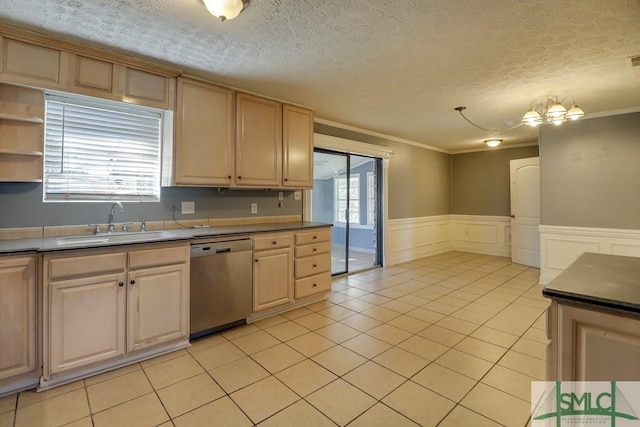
x=111, y=227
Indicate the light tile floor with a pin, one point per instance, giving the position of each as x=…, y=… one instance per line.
x=449, y=340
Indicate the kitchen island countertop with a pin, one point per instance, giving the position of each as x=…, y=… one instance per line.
x=604, y=281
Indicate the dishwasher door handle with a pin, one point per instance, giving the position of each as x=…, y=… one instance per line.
x=222, y=250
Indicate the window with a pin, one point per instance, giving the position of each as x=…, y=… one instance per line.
x=354, y=199
x=100, y=150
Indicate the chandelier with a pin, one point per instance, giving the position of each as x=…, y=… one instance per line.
x=225, y=9
x=553, y=111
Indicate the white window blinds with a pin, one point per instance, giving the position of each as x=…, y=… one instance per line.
x=101, y=150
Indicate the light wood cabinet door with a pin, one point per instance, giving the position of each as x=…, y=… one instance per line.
x=30, y=64
x=597, y=346
x=272, y=278
x=17, y=315
x=157, y=305
x=94, y=77
x=86, y=321
x=297, y=146
x=204, y=144
x=258, y=142
x=144, y=88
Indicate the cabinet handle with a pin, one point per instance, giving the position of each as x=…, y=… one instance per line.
x=274, y=243
x=315, y=265
x=314, y=285
x=121, y=284
x=133, y=282
x=256, y=260
x=315, y=249
x=315, y=237
x=286, y=179
x=229, y=177
x=239, y=177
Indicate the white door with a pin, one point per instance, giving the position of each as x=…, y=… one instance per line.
x=525, y=211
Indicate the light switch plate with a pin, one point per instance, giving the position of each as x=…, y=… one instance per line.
x=254, y=208
x=188, y=208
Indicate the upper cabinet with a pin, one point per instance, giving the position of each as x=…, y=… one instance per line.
x=31, y=64
x=274, y=144
x=47, y=63
x=297, y=147
x=204, y=134
x=258, y=142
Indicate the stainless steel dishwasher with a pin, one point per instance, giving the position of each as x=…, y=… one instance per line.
x=221, y=284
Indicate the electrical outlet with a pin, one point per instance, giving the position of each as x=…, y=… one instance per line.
x=297, y=195
x=188, y=208
x=280, y=196
x=254, y=208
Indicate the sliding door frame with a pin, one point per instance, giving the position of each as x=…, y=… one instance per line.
x=332, y=143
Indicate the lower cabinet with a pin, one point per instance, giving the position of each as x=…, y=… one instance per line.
x=588, y=344
x=289, y=267
x=103, y=304
x=313, y=262
x=272, y=271
x=17, y=316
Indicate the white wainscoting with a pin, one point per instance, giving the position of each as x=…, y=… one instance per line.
x=560, y=246
x=414, y=238
x=489, y=235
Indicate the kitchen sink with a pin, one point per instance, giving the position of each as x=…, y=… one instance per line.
x=113, y=238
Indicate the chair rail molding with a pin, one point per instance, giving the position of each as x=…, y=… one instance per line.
x=562, y=245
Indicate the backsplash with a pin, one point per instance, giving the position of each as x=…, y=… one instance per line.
x=21, y=206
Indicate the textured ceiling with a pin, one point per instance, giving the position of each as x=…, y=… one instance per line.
x=397, y=67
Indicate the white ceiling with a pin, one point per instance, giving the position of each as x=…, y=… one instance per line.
x=397, y=67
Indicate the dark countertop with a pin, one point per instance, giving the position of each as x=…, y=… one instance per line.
x=606, y=281
x=48, y=244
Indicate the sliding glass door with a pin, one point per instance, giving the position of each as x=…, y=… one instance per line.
x=346, y=194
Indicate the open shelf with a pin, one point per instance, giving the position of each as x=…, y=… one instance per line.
x=20, y=118
x=21, y=153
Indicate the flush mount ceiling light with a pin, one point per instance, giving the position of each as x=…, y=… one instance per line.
x=553, y=111
x=225, y=9
x=493, y=143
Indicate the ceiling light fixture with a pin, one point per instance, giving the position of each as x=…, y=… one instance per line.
x=225, y=9
x=493, y=143
x=553, y=111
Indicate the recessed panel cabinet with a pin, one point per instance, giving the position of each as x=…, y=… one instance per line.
x=100, y=305
x=31, y=64
x=258, y=142
x=204, y=143
x=272, y=271
x=17, y=316
x=297, y=147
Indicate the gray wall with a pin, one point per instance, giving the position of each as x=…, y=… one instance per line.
x=590, y=173
x=419, y=179
x=480, y=181
x=21, y=206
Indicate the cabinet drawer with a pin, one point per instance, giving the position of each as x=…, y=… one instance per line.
x=87, y=265
x=312, y=285
x=272, y=242
x=316, y=249
x=323, y=235
x=312, y=265
x=154, y=257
